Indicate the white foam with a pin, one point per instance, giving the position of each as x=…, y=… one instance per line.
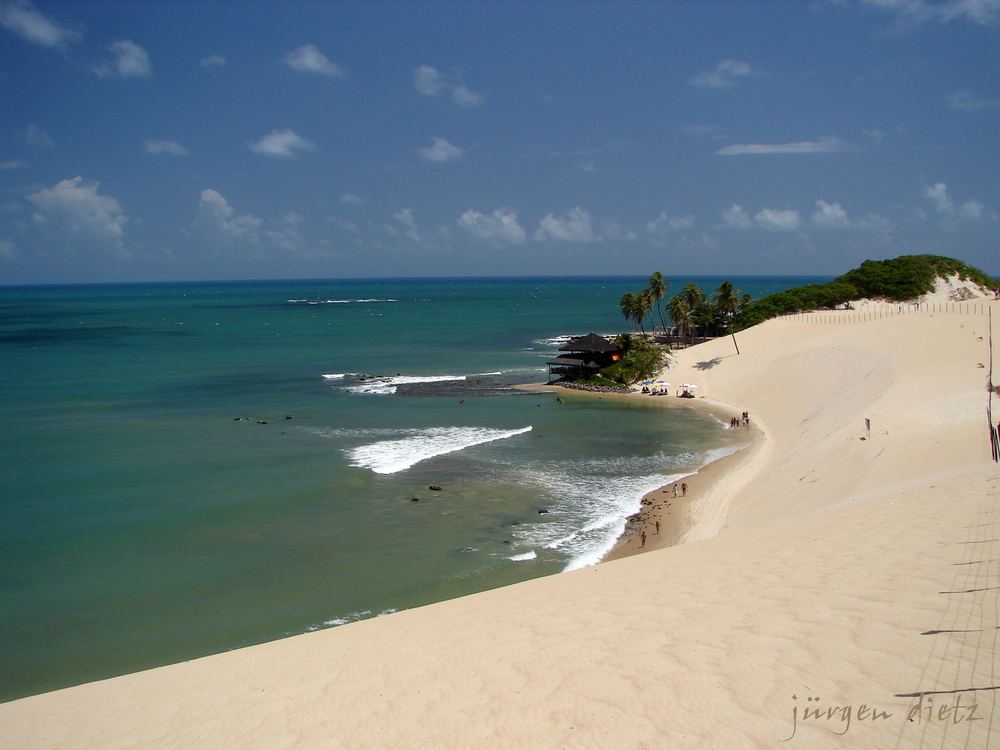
x=338, y=301
x=716, y=453
x=392, y=456
x=386, y=386
x=352, y=617
x=522, y=558
x=554, y=341
x=335, y=375
x=565, y=339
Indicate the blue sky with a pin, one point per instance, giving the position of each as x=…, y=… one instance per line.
x=232, y=140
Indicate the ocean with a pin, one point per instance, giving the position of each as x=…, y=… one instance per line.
x=191, y=468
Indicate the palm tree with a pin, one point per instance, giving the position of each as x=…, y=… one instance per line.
x=694, y=295
x=727, y=302
x=645, y=308
x=657, y=287
x=696, y=301
x=681, y=314
x=633, y=308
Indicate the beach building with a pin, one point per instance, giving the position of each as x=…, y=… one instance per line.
x=584, y=355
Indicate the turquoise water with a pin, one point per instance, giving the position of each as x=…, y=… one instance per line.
x=192, y=468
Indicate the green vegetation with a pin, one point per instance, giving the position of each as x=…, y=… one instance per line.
x=691, y=310
x=640, y=360
x=898, y=279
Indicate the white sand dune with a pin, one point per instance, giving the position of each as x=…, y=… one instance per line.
x=854, y=572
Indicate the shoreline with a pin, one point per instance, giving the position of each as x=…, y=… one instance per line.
x=830, y=560
x=678, y=515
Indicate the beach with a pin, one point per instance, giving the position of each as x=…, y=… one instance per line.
x=835, y=585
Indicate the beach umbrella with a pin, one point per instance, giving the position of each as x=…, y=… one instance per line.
x=688, y=385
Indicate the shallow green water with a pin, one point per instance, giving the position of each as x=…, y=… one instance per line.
x=141, y=523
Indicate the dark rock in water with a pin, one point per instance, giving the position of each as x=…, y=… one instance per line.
x=287, y=416
x=414, y=499
x=506, y=541
x=261, y=421
x=542, y=511
x=236, y=419
x=434, y=487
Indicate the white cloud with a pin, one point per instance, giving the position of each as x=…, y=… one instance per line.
x=213, y=61
x=736, y=217
x=350, y=199
x=282, y=144
x=967, y=101
x=575, y=226
x=828, y=144
x=971, y=210
x=982, y=12
x=664, y=222
x=308, y=59
x=834, y=216
x=724, y=75
x=406, y=218
x=440, y=150
x=500, y=226
x=23, y=19
x=13, y=164
x=430, y=81
x=75, y=207
x=35, y=136
x=938, y=195
x=427, y=81
x=170, y=148
x=875, y=135
x=830, y=215
x=465, y=97
x=129, y=60
x=777, y=220
x=217, y=219
x=772, y=219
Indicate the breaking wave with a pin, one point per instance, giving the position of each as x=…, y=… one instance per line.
x=392, y=456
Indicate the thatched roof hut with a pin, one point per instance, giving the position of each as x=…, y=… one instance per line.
x=586, y=356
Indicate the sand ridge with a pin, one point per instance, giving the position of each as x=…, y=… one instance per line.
x=855, y=578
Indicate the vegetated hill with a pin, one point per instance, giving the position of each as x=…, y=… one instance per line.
x=897, y=279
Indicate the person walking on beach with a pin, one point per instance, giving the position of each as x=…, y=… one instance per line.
x=675, y=489
x=684, y=489
x=657, y=527
x=642, y=540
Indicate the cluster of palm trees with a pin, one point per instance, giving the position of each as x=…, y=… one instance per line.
x=690, y=310
x=636, y=307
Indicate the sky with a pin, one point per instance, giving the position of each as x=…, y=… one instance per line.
x=162, y=141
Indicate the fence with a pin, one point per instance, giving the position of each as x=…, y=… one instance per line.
x=882, y=311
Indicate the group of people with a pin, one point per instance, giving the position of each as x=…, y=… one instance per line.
x=741, y=421
x=654, y=391
x=679, y=487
